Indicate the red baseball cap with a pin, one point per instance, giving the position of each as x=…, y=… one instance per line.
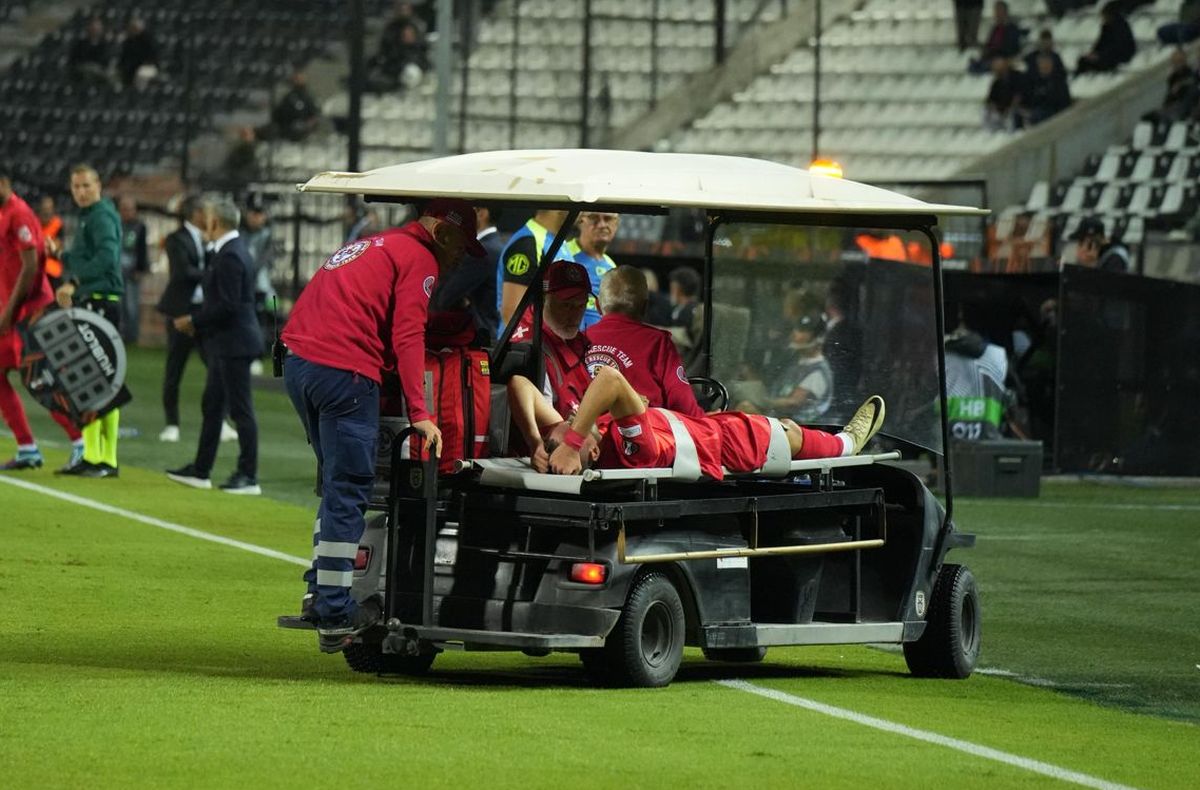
x=566, y=279
x=461, y=215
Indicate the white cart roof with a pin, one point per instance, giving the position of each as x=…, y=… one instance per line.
x=583, y=177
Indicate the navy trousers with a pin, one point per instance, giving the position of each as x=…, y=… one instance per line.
x=340, y=413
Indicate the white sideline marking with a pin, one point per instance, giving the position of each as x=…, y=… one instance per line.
x=155, y=522
x=1036, y=766
x=1033, y=680
x=1093, y=505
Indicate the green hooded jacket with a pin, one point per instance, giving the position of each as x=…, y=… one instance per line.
x=94, y=258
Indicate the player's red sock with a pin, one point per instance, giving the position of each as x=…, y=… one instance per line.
x=14, y=413
x=818, y=444
x=72, y=431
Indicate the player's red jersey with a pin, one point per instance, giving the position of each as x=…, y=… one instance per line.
x=733, y=440
x=20, y=230
x=646, y=357
x=366, y=293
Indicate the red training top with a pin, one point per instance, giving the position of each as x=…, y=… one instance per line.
x=646, y=357
x=365, y=310
x=567, y=375
x=20, y=230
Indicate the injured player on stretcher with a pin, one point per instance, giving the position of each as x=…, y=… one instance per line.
x=613, y=429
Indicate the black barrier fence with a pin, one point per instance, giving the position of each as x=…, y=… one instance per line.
x=1129, y=375
x=1106, y=367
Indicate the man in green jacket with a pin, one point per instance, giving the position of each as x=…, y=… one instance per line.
x=92, y=280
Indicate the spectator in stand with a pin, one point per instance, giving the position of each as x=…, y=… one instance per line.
x=1000, y=112
x=241, y=161
x=1115, y=45
x=474, y=286
x=1045, y=46
x=402, y=58
x=1003, y=41
x=966, y=23
x=139, y=54
x=1187, y=29
x=296, y=115
x=88, y=59
x=135, y=264
x=1183, y=92
x=52, y=226
x=1095, y=249
x=403, y=16
x=1047, y=93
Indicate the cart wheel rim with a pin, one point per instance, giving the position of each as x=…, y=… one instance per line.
x=969, y=632
x=658, y=633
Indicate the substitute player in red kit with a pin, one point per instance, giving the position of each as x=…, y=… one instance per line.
x=363, y=314
x=640, y=438
x=24, y=294
x=645, y=355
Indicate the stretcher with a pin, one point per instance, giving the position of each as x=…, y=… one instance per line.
x=516, y=473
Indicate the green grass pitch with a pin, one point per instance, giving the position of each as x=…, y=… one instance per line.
x=138, y=657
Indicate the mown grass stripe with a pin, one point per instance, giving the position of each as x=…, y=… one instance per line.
x=155, y=522
x=986, y=752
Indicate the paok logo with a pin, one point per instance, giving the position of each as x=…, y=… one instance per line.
x=517, y=264
x=346, y=254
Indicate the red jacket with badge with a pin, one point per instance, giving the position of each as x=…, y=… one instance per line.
x=646, y=357
x=365, y=310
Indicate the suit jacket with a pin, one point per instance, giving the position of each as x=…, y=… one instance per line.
x=186, y=271
x=225, y=322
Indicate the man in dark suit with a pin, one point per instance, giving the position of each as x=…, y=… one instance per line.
x=185, y=260
x=474, y=286
x=228, y=330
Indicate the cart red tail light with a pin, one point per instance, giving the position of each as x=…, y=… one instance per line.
x=588, y=573
x=362, y=559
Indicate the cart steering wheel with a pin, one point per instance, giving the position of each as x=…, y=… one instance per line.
x=712, y=390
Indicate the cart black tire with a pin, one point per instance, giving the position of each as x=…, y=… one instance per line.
x=369, y=657
x=740, y=655
x=645, y=647
x=949, y=648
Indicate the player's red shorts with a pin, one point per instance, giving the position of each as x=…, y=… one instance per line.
x=744, y=439
x=10, y=350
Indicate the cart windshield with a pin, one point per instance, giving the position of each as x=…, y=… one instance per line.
x=809, y=321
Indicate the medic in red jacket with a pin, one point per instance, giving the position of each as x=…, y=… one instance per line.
x=644, y=355
x=365, y=309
